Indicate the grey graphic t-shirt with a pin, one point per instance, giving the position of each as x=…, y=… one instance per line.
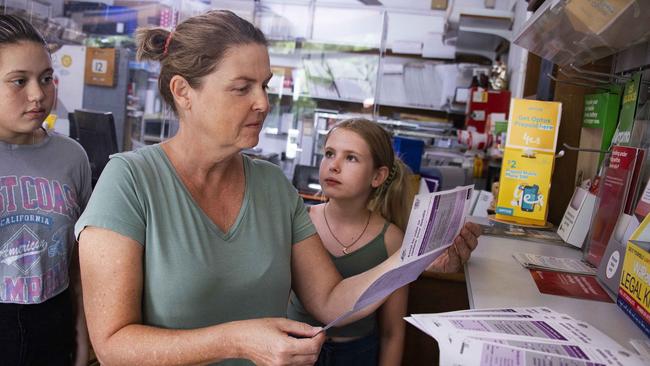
x=43, y=190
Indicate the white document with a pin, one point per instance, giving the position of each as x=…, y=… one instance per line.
x=642, y=346
x=435, y=221
x=543, y=262
x=483, y=202
x=541, y=310
x=476, y=337
x=608, y=356
x=488, y=315
x=537, y=329
x=471, y=351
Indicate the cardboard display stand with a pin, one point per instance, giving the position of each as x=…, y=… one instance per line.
x=528, y=162
x=577, y=218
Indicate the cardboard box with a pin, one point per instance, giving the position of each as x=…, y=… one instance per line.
x=528, y=161
x=600, y=118
x=533, y=125
x=615, y=196
x=524, y=187
x=439, y=4
x=634, y=289
x=609, y=270
x=577, y=218
x=595, y=16
x=623, y=133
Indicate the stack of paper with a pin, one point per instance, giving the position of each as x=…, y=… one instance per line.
x=319, y=80
x=520, y=336
x=393, y=91
x=557, y=264
x=354, y=76
x=427, y=85
x=415, y=79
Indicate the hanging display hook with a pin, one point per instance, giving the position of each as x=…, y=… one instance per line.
x=576, y=83
x=587, y=78
x=573, y=148
x=602, y=74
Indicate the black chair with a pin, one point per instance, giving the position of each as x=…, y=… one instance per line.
x=305, y=179
x=74, y=129
x=95, y=131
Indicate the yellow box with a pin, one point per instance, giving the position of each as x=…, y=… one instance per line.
x=524, y=187
x=528, y=161
x=634, y=289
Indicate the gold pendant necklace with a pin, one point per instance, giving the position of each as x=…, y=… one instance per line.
x=343, y=246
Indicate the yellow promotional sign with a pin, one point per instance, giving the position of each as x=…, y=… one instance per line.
x=533, y=125
x=524, y=187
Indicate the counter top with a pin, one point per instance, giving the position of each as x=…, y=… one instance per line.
x=496, y=279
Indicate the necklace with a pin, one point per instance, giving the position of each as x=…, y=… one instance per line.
x=343, y=246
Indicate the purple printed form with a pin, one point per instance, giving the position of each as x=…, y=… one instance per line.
x=434, y=218
x=390, y=281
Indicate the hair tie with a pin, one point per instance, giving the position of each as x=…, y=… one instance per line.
x=384, y=186
x=391, y=175
x=168, y=40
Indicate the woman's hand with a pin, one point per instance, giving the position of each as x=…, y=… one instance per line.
x=279, y=341
x=459, y=252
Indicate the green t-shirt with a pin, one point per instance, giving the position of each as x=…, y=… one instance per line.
x=194, y=274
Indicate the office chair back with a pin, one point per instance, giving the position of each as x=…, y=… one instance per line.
x=303, y=176
x=96, y=133
x=74, y=130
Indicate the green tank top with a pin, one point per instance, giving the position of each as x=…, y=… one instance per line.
x=369, y=256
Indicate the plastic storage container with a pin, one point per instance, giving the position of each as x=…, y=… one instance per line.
x=410, y=151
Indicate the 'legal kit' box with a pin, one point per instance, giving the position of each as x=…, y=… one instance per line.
x=634, y=289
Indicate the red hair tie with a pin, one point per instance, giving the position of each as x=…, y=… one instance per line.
x=167, y=42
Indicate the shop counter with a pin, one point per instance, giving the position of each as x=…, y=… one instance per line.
x=495, y=279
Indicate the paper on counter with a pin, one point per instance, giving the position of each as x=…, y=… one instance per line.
x=476, y=352
x=549, y=339
x=578, y=286
x=642, y=346
x=608, y=356
x=435, y=221
x=514, y=310
x=568, y=330
x=502, y=316
x=559, y=264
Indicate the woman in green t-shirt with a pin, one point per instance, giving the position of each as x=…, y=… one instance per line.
x=188, y=249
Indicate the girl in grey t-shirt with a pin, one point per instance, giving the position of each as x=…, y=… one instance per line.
x=44, y=185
